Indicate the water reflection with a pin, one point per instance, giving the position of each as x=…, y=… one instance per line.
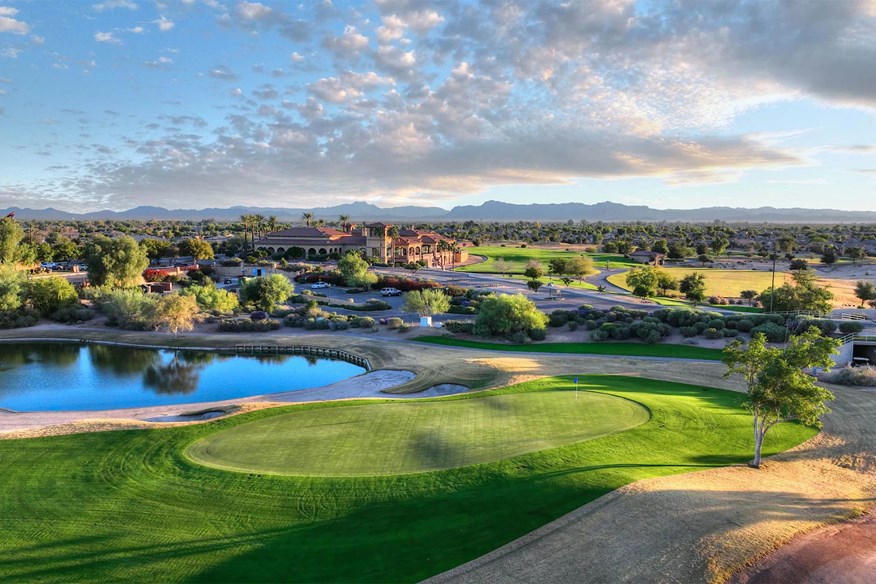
x=66, y=376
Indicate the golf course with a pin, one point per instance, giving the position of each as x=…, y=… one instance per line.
x=282, y=493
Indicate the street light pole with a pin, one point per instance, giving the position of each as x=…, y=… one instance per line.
x=773, y=285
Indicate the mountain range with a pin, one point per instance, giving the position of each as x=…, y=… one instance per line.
x=488, y=211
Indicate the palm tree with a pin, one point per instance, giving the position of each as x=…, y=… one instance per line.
x=320, y=222
x=272, y=223
x=441, y=247
x=308, y=217
x=344, y=220
x=393, y=235
x=247, y=221
x=259, y=225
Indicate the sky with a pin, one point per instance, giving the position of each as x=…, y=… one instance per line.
x=190, y=104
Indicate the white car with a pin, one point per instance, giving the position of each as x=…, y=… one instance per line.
x=317, y=285
x=390, y=291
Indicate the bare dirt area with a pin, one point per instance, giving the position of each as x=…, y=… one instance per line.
x=836, y=554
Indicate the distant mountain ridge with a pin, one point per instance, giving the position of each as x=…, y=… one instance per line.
x=488, y=211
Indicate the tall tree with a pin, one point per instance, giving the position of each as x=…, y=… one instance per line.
x=307, y=218
x=272, y=223
x=865, y=291
x=643, y=281
x=344, y=219
x=11, y=235
x=778, y=389
x=117, y=262
x=693, y=286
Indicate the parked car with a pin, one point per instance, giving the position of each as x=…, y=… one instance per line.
x=390, y=291
x=317, y=285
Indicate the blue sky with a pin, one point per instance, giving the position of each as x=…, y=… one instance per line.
x=208, y=103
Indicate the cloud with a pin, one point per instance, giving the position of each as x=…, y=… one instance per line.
x=113, y=4
x=222, y=72
x=164, y=24
x=136, y=30
x=106, y=37
x=254, y=11
x=348, y=45
x=159, y=62
x=10, y=24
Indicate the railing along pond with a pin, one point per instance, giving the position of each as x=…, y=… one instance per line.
x=303, y=350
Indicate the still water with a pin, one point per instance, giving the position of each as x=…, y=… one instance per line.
x=64, y=376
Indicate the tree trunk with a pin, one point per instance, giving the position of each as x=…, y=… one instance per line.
x=758, y=442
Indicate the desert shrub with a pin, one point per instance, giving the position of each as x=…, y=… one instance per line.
x=688, y=332
x=233, y=325
x=744, y=325
x=713, y=333
x=599, y=335
x=558, y=318
x=369, y=305
x=455, y=291
x=717, y=323
x=860, y=376
x=802, y=323
x=404, y=284
x=520, y=338
x=394, y=322
x=363, y=322
x=775, y=333
x=851, y=327
x=72, y=314
x=717, y=300
x=459, y=326
x=18, y=318
x=730, y=332
x=701, y=326
x=537, y=334
x=573, y=325
x=590, y=324
x=339, y=325
x=506, y=315
x=48, y=295
x=130, y=309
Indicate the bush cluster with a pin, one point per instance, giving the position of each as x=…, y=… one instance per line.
x=369, y=305
x=469, y=302
x=234, y=325
x=459, y=326
x=649, y=330
x=851, y=327
x=404, y=284
x=18, y=318
x=860, y=376
x=72, y=314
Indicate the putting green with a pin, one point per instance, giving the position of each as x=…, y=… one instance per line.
x=413, y=437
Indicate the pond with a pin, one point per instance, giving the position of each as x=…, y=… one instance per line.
x=65, y=376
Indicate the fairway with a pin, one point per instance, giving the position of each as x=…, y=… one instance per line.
x=131, y=506
x=414, y=437
x=727, y=283
x=518, y=257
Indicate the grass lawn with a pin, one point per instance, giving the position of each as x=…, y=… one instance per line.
x=364, y=440
x=518, y=257
x=131, y=506
x=727, y=283
x=601, y=348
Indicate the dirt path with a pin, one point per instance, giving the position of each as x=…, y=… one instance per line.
x=701, y=527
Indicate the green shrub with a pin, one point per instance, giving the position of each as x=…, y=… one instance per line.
x=713, y=333
x=775, y=333
x=72, y=314
x=537, y=334
x=730, y=332
x=717, y=323
x=688, y=332
x=459, y=326
x=802, y=323
x=130, y=309
x=19, y=318
x=394, y=322
x=48, y=295
x=573, y=325
x=851, y=327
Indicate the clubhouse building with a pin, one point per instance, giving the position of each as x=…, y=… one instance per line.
x=372, y=239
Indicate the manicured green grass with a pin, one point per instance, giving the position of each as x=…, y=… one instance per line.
x=601, y=348
x=130, y=506
x=518, y=257
x=434, y=435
